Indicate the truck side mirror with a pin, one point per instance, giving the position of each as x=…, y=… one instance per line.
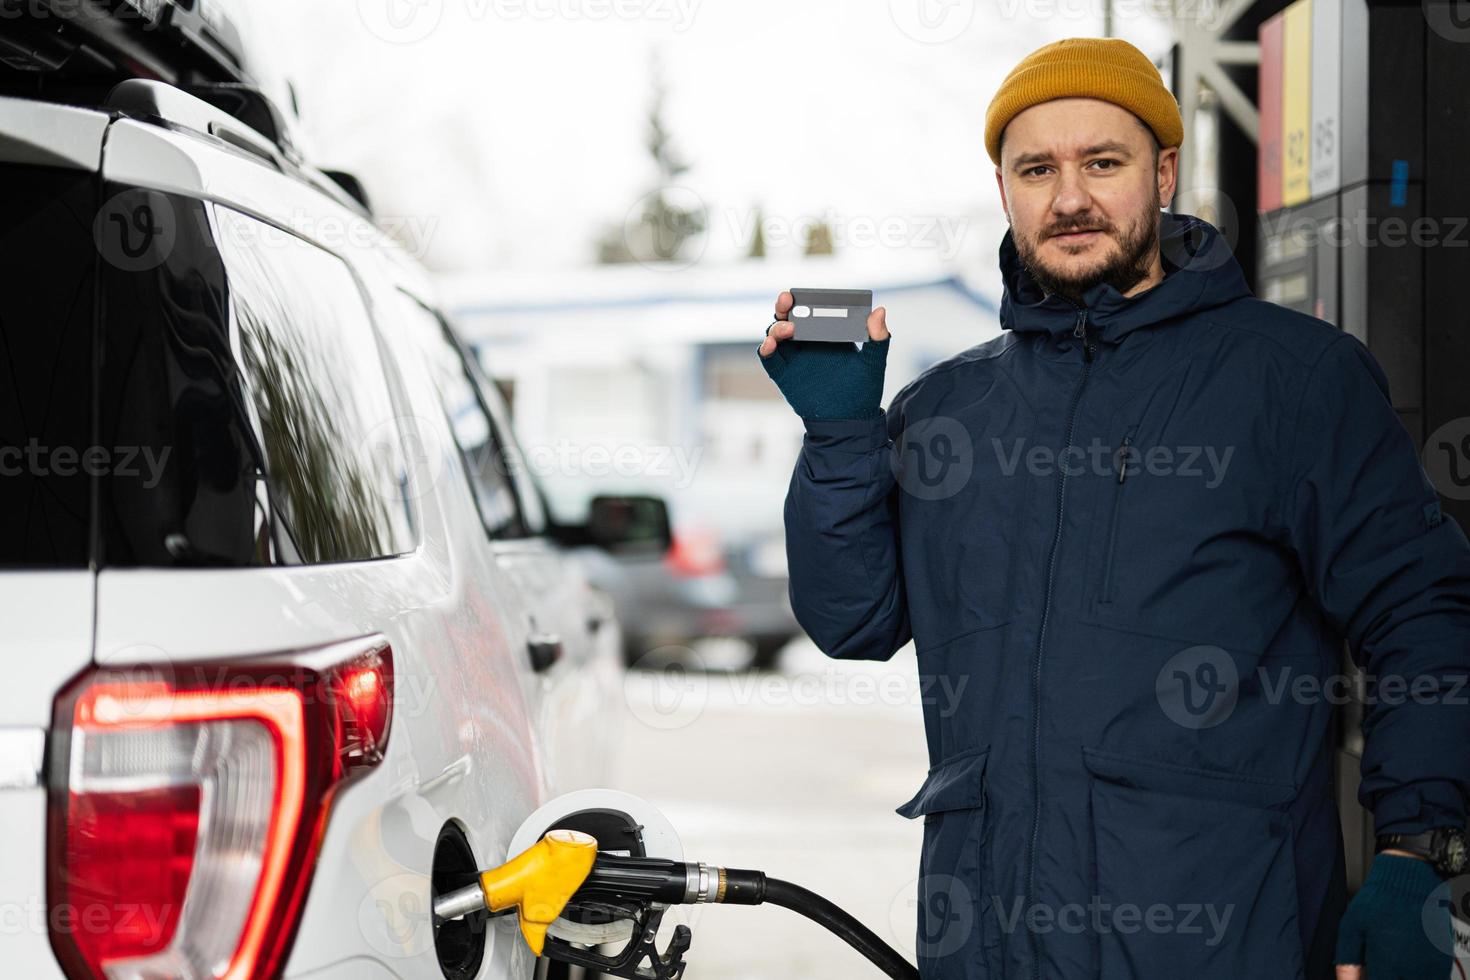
x=629, y=524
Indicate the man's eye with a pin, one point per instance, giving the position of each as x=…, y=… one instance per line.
x=1112, y=163
x=1031, y=171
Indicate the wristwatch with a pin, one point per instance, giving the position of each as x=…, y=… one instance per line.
x=1446, y=848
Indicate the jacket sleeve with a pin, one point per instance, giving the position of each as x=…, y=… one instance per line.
x=1392, y=575
x=846, y=584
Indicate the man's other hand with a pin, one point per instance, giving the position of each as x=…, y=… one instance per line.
x=1386, y=932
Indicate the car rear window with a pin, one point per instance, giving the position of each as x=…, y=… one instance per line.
x=46, y=301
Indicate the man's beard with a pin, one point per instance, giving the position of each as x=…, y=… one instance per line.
x=1123, y=270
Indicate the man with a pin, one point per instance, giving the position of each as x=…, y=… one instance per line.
x=1130, y=537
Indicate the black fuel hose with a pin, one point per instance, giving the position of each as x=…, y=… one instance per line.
x=840, y=924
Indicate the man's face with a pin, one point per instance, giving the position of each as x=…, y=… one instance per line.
x=1082, y=186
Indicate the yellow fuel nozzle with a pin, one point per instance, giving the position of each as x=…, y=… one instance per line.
x=540, y=881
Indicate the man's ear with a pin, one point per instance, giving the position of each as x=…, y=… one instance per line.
x=1000, y=184
x=1168, y=174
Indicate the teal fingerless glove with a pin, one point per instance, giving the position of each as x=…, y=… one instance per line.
x=1392, y=927
x=823, y=380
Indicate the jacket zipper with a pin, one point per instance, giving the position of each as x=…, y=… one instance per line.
x=1080, y=332
x=1121, y=457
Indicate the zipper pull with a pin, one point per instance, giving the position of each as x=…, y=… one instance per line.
x=1122, y=455
x=1080, y=332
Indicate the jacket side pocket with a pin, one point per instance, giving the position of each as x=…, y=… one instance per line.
x=953, y=887
x=1194, y=873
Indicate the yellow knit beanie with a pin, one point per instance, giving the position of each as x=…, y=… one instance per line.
x=1104, y=68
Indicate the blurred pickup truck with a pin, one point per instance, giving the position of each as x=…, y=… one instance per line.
x=700, y=588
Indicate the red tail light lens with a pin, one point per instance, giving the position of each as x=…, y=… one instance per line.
x=695, y=552
x=160, y=827
x=187, y=805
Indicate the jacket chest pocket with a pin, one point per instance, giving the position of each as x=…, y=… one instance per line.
x=954, y=939
x=1125, y=466
x=1178, y=544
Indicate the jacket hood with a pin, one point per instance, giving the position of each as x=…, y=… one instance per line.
x=1200, y=272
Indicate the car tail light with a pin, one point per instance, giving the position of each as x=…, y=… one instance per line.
x=694, y=552
x=188, y=801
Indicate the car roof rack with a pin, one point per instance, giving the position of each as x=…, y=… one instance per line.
x=154, y=101
x=251, y=107
x=205, y=109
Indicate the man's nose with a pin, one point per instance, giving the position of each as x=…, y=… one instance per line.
x=1071, y=193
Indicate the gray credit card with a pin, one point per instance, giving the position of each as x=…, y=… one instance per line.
x=832, y=315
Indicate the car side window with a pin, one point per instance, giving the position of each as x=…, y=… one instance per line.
x=319, y=397
x=469, y=420
x=527, y=491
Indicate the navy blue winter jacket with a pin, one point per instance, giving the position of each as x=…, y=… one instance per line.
x=1132, y=542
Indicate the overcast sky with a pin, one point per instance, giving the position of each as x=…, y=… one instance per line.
x=509, y=132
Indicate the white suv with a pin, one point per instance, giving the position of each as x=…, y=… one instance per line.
x=288, y=646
